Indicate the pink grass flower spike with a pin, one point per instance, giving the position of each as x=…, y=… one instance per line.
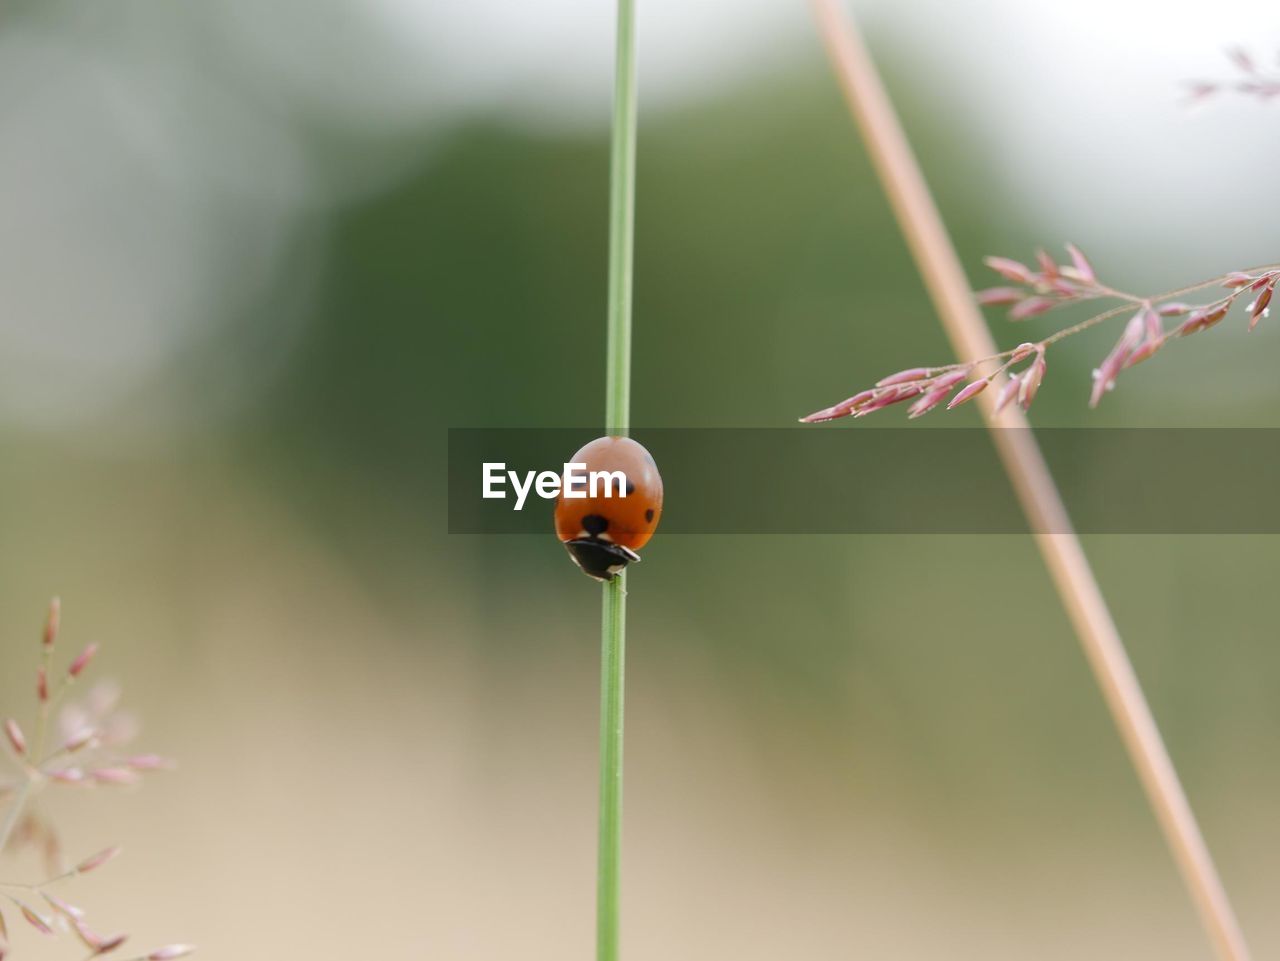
x=93, y=731
x=1041, y=289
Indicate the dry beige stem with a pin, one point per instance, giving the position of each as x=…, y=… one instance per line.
x=949, y=290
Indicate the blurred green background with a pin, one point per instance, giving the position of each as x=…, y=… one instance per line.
x=257, y=258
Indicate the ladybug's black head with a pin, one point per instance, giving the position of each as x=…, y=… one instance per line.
x=599, y=559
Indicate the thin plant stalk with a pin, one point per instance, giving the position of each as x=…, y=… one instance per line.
x=1063, y=554
x=622, y=181
x=612, y=670
x=622, y=216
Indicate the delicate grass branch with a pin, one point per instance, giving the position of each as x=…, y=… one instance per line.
x=949, y=289
x=88, y=739
x=617, y=423
x=1251, y=80
x=1040, y=292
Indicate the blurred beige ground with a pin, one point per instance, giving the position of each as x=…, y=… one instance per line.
x=357, y=781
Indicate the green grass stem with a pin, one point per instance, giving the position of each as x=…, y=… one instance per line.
x=622, y=190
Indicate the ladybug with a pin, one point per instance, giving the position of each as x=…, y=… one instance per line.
x=602, y=534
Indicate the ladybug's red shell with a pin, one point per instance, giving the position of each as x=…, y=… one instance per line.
x=603, y=534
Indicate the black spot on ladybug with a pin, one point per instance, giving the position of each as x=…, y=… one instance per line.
x=648, y=515
x=595, y=525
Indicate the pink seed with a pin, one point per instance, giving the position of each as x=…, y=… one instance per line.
x=86, y=934
x=1144, y=352
x=818, y=416
x=928, y=402
x=82, y=661
x=1022, y=352
x=1031, y=382
x=79, y=740
x=949, y=380
x=52, y=621
x=1047, y=266
x=1019, y=273
x=1193, y=324
x=1215, y=315
x=16, y=738
x=97, y=861
x=68, y=910
x=1258, y=309
x=998, y=296
x=1082, y=265
x=970, y=392
x=170, y=951
x=857, y=400
x=1151, y=323
x=37, y=921
x=904, y=376
x=1008, y=392
x=1031, y=307
x=110, y=944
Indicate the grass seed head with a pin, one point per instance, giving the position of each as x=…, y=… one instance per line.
x=35, y=918
x=170, y=952
x=1037, y=290
x=97, y=860
x=17, y=740
x=52, y=622
x=82, y=661
x=968, y=393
